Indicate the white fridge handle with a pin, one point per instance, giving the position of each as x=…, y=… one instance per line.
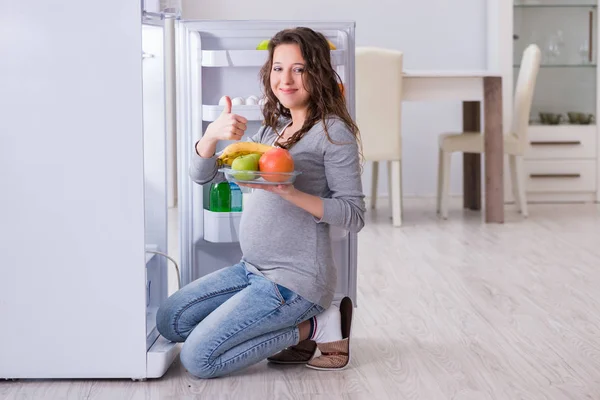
x=171, y=108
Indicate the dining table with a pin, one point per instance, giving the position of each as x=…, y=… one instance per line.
x=473, y=88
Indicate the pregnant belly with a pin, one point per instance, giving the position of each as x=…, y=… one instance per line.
x=273, y=231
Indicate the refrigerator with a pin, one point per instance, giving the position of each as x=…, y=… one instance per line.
x=85, y=242
x=83, y=211
x=217, y=58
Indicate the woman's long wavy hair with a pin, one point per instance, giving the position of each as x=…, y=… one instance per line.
x=320, y=80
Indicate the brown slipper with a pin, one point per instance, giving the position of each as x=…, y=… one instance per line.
x=298, y=354
x=336, y=355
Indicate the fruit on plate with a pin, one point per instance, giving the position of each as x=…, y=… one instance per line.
x=331, y=46
x=276, y=160
x=264, y=45
x=238, y=149
x=248, y=162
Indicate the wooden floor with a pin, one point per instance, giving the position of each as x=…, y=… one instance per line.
x=446, y=310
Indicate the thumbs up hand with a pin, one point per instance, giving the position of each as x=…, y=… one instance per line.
x=227, y=106
x=227, y=126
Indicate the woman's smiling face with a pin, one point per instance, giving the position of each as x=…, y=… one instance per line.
x=287, y=71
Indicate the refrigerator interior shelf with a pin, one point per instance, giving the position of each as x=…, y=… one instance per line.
x=251, y=113
x=249, y=58
x=222, y=227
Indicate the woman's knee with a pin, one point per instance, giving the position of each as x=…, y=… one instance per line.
x=196, y=360
x=166, y=322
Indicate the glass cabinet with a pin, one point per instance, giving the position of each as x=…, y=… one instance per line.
x=561, y=158
x=565, y=32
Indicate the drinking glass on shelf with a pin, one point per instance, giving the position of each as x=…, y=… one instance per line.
x=552, y=51
x=560, y=38
x=170, y=7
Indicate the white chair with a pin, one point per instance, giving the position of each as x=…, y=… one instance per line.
x=515, y=142
x=379, y=117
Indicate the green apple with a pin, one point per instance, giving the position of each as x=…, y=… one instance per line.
x=264, y=45
x=248, y=162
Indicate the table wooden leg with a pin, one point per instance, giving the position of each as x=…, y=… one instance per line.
x=494, y=150
x=472, y=161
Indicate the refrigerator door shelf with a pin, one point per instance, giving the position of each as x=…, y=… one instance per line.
x=251, y=113
x=221, y=227
x=160, y=357
x=250, y=58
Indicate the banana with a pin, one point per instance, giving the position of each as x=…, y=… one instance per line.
x=237, y=149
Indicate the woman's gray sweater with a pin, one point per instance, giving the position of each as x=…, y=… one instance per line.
x=282, y=241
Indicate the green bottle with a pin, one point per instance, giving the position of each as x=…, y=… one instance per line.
x=220, y=197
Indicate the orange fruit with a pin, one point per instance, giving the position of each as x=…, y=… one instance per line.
x=276, y=160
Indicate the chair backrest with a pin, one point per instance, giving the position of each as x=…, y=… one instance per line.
x=379, y=102
x=530, y=65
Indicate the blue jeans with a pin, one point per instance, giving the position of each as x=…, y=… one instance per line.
x=231, y=319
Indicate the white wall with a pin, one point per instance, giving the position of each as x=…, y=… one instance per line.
x=459, y=42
